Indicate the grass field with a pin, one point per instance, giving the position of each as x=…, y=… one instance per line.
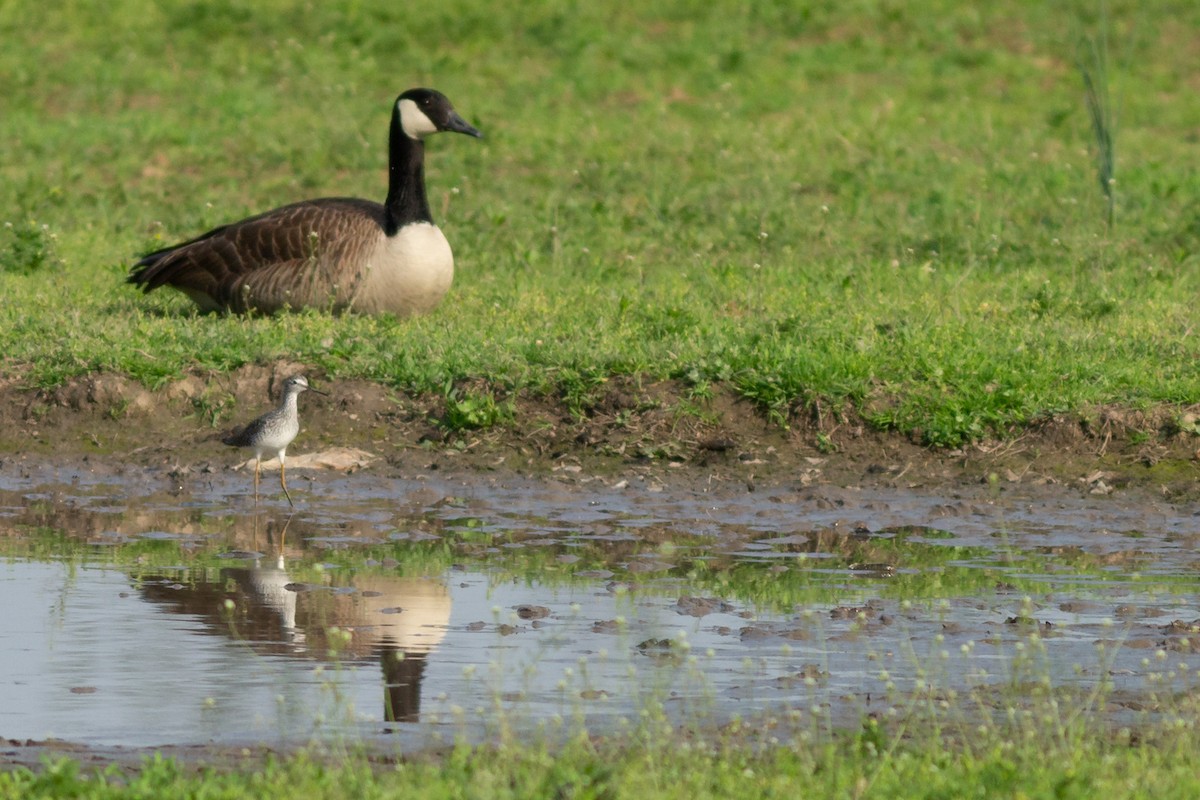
x=858, y=768
x=889, y=207
x=896, y=208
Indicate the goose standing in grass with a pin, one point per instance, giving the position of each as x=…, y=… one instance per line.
x=271, y=433
x=335, y=253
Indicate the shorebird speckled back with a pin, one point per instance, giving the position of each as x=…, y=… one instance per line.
x=270, y=434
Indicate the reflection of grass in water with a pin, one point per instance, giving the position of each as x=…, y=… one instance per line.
x=823, y=571
x=1009, y=724
x=622, y=688
x=1018, y=703
x=330, y=725
x=949, y=700
x=1020, y=733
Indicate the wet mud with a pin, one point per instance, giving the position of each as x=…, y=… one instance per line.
x=568, y=568
x=413, y=604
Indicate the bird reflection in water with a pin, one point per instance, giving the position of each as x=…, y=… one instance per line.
x=394, y=620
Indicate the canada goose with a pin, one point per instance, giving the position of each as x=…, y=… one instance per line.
x=337, y=253
x=271, y=433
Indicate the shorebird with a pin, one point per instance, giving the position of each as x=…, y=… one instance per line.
x=333, y=253
x=270, y=434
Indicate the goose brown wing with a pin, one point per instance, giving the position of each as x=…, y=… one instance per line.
x=222, y=262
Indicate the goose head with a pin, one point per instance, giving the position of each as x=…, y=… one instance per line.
x=427, y=111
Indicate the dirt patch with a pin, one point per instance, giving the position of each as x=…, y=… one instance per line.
x=651, y=426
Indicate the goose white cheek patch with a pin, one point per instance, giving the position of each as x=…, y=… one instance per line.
x=416, y=125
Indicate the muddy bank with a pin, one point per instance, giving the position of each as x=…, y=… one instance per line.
x=1083, y=504
x=654, y=427
x=793, y=600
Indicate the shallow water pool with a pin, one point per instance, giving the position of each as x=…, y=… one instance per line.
x=429, y=609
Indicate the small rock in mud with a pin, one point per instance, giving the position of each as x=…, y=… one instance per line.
x=1179, y=626
x=526, y=611
x=797, y=539
x=657, y=645
x=1178, y=645
x=1021, y=619
x=1077, y=606
x=752, y=633
x=701, y=606
x=876, y=569
x=639, y=567
x=1140, y=643
x=806, y=674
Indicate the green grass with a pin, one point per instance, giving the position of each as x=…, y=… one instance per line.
x=891, y=207
x=864, y=765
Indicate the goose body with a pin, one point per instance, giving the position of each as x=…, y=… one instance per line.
x=334, y=253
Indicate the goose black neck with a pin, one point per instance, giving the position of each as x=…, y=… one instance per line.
x=406, y=202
